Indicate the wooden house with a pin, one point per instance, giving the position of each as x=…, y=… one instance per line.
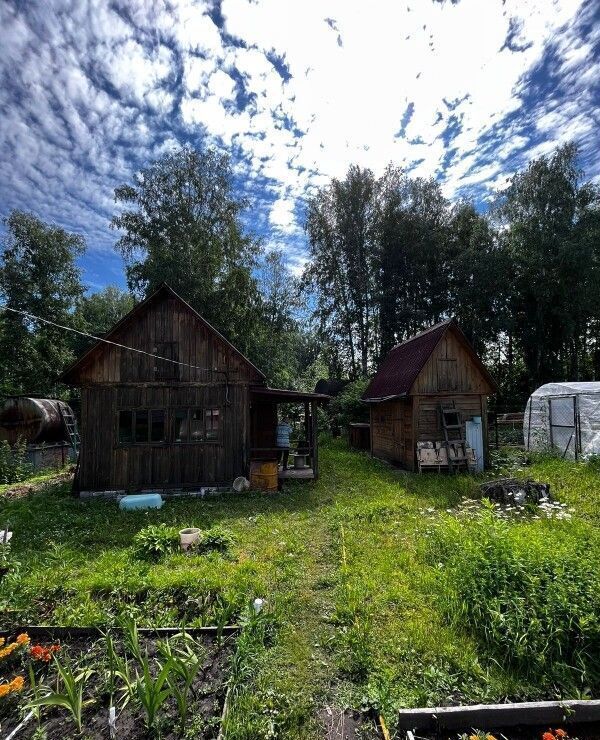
x=167, y=403
x=435, y=369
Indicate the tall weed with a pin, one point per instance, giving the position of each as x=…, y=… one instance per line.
x=531, y=595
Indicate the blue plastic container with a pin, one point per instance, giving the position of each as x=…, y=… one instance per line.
x=141, y=501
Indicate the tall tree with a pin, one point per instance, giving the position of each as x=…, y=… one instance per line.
x=277, y=339
x=181, y=224
x=550, y=219
x=38, y=275
x=98, y=312
x=413, y=251
x=342, y=268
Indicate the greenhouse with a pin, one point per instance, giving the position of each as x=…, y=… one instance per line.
x=566, y=417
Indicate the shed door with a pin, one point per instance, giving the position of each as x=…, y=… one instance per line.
x=564, y=425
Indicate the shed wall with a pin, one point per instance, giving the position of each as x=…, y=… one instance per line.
x=450, y=369
x=392, y=431
x=165, y=321
x=106, y=464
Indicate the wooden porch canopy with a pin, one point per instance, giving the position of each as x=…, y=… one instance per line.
x=264, y=422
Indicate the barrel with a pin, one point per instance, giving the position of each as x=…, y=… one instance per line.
x=32, y=420
x=263, y=475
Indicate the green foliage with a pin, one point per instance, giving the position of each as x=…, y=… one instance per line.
x=341, y=224
x=347, y=406
x=215, y=539
x=155, y=541
x=98, y=312
x=552, y=221
x=181, y=225
x=151, y=692
x=38, y=275
x=407, y=650
x=531, y=595
x=14, y=466
x=69, y=693
x=186, y=661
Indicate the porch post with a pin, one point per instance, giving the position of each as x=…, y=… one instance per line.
x=314, y=440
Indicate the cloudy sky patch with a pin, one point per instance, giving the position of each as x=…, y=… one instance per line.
x=463, y=91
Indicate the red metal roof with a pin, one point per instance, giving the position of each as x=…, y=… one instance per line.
x=403, y=363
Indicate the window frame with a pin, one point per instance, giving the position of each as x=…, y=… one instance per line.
x=169, y=416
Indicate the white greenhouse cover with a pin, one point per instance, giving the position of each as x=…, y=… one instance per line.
x=565, y=416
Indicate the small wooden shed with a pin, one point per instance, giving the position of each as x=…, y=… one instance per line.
x=434, y=369
x=167, y=402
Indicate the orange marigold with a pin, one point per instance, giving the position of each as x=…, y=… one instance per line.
x=23, y=638
x=560, y=733
x=2, y=641
x=4, y=689
x=548, y=736
x=17, y=683
x=490, y=737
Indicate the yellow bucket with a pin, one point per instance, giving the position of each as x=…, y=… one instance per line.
x=263, y=475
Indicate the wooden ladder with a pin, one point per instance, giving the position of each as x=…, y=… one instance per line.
x=70, y=424
x=455, y=442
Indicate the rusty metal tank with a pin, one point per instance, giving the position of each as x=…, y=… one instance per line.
x=34, y=420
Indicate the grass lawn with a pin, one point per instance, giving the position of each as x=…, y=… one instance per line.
x=381, y=596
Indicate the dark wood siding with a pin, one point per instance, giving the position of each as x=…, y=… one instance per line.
x=392, y=430
x=167, y=321
x=115, y=379
x=106, y=464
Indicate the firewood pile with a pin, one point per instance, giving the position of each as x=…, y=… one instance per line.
x=516, y=491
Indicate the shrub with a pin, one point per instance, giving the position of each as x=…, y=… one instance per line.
x=14, y=467
x=216, y=539
x=155, y=541
x=531, y=595
x=347, y=407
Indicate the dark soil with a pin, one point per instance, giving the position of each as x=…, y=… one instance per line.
x=206, y=703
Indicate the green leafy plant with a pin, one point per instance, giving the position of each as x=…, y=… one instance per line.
x=186, y=661
x=70, y=685
x=215, y=539
x=151, y=693
x=155, y=541
x=14, y=467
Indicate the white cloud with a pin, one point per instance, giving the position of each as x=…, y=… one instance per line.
x=90, y=95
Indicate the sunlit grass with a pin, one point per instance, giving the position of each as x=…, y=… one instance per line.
x=345, y=563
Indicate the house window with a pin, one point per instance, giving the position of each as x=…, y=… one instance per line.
x=141, y=426
x=180, y=425
x=149, y=426
x=157, y=425
x=197, y=425
x=212, y=421
x=125, y=427
x=163, y=369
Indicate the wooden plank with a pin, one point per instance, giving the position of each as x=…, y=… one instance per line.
x=544, y=713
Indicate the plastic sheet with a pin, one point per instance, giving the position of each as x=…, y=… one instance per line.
x=566, y=417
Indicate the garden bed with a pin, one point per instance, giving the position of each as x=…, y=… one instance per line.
x=195, y=680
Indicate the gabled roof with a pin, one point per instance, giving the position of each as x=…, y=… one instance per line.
x=402, y=365
x=164, y=290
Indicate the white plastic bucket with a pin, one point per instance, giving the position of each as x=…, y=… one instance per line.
x=188, y=536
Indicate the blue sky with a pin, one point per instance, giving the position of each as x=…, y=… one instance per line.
x=466, y=91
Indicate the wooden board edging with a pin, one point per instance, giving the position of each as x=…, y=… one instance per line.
x=56, y=632
x=499, y=715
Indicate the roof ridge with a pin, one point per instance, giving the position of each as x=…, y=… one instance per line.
x=429, y=329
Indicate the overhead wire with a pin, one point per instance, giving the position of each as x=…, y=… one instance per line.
x=108, y=341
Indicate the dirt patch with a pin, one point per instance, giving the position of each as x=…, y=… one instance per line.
x=346, y=724
x=21, y=490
